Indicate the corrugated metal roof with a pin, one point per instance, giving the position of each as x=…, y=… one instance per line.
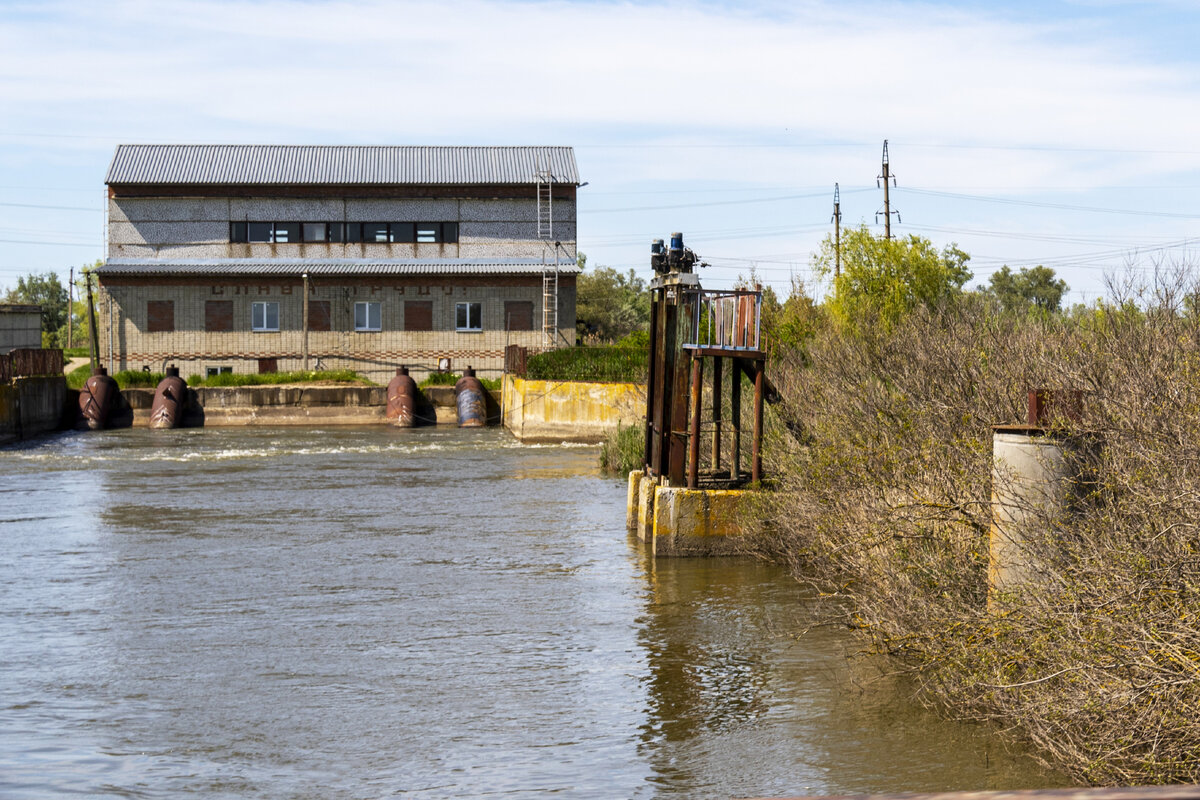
x=303, y=164
x=328, y=266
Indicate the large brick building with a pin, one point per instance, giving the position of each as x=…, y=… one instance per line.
x=265, y=258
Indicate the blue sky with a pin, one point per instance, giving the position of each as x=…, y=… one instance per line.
x=1065, y=134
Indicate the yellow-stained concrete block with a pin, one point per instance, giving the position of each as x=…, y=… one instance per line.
x=645, y=514
x=696, y=521
x=631, y=499
x=569, y=410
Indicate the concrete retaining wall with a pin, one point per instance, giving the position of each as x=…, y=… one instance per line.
x=569, y=410
x=31, y=406
x=293, y=405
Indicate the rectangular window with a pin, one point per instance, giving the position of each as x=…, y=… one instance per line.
x=450, y=232
x=418, y=315
x=375, y=232
x=366, y=317
x=266, y=365
x=259, y=231
x=468, y=316
x=318, y=315
x=160, y=316
x=264, y=316
x=211, y=371
x=287, y=232
x=315, y=232
x=404, y=232
x=428, y=231
x=354, y=232
x=218, y=315
x=237, y=232
x=518, y=315
x=337, y=231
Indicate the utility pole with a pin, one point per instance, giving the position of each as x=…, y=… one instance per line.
x=837, y=232
x=71, y=309
x=887, y=204
x=95, y=337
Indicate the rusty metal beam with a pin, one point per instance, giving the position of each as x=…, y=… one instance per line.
x=718, y=365
x=693, y=475
x=760, y=369
x=735, y=420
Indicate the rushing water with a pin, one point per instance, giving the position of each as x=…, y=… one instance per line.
x=374, y=613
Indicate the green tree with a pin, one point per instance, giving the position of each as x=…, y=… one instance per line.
x=1031, y=287
x=47, y=291
x=883, y=279
x=609, y=305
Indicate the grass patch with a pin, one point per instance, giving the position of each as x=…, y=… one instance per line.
x=451, y=378
x=621, y=452
x=269, y=378
x=75, y=352
x=595, y=364
x=78, y=376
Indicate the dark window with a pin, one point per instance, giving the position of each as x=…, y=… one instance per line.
x=468, y=316
x=450, y=232
x=287, y=232
x=259, y=231
x=518, y=315
x=375, y=232
x=428, y=231
x=418, y=315
x=318, y=315
x=218, y=315
x=237, y=231
x=160, y=316
x=354, y=232
x=404, y=232
x=316, y=232
x=268, y=365
x=337, y=231
x=211, y=371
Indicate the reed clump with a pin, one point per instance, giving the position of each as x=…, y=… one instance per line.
x=883, y=462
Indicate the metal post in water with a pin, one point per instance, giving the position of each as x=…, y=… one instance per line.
x=694, y=431
x=716, y=410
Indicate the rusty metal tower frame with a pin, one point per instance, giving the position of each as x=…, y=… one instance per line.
x=690, y=327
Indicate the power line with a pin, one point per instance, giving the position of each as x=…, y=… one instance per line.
x=1058, y=206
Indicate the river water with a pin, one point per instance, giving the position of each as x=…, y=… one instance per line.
x=362, y=613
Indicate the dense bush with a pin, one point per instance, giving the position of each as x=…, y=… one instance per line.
x=598, y=364
x=884, y=467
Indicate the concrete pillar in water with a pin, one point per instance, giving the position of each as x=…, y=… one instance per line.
x=1035, y=479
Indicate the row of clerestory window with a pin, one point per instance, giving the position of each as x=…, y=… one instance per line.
x=343, y=232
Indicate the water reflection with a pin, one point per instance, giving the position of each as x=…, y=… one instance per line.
x=372, y=612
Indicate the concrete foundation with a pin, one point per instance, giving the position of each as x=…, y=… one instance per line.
x=571, y=411
x=685, y=522
x=297, y=405
x=31, y=406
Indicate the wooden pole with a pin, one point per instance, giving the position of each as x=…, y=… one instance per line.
x=71, y=309
x=304, y=324
x=95, y=335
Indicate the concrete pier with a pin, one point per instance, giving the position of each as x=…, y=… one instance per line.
x=677, y=521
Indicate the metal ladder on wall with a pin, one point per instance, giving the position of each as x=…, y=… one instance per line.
x=545, y=233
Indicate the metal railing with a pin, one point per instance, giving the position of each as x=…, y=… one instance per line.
x=726, y=320
x=23, y=363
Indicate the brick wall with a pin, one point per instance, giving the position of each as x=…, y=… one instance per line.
x=375, y=354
